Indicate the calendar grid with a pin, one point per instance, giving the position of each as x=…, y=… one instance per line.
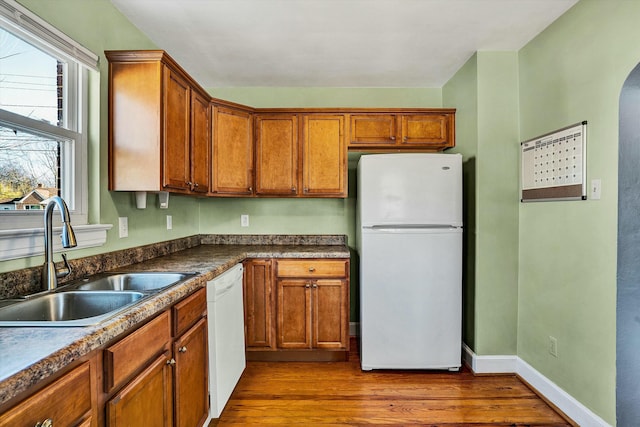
x=553, y=166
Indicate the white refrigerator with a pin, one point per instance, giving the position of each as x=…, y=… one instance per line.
x=409, y=230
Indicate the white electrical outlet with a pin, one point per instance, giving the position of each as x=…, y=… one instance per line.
x=244, y=220
x=169, y=222
x=553, y=346
x=123, y=226
x=596, y=189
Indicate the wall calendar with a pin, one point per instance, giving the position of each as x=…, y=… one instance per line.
x=553, y=166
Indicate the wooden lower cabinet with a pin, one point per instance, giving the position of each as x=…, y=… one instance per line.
x=146, y=400
x=158, y=375
x=298, y=311
x=68, y=401
x=191, y=384
x=312, y=314
x=258, y=303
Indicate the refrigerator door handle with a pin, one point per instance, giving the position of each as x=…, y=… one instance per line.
x=410, y=227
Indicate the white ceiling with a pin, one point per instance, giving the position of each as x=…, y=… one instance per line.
x=335, y=43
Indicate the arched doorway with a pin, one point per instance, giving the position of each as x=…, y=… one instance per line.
x=628, y=276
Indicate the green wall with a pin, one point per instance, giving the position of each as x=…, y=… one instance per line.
x=461, y=92
x=571, y=72
x=293, y=97
x=485, y=91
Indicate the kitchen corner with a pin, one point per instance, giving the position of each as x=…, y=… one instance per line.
x=31, y=355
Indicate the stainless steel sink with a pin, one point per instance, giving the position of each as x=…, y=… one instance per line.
x=142, y=281
x=67, y=308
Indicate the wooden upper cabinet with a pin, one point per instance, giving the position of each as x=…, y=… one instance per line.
x=324, y=156
x=420, y=131
x=200, y=142
x=176, y=125
x=277, y=154
x=373, y=129
x=426, y=129
x=232, y=165
x=158, y=126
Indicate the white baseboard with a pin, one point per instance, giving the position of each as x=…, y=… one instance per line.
x=489, y=364
x=575, y=410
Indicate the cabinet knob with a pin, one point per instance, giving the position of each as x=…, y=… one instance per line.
x=46, y=423
x=182, y=349
x=314, y=286
x=307, y=285
x=293, y=189
x=250, y=189
x=393, y=138
x=171, y=361
x=405, y=139
x=312, y=269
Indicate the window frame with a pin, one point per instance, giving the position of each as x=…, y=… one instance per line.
x=21, y=232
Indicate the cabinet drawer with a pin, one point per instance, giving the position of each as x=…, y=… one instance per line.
x=188, y=311
x=312, y=268
x=66, y=402
x=130, y=354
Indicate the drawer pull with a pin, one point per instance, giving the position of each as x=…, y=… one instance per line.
x=312, y=269
x=46, y=423
x=171, y=361
x=182, y=349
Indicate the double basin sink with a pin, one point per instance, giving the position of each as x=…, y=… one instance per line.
x=88, y=301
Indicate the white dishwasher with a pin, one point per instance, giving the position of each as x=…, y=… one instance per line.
x=226, y=336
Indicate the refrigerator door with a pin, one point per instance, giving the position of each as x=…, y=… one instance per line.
x=410, y=189
x=411, y=298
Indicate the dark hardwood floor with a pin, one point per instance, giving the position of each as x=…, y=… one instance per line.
x=339, y=393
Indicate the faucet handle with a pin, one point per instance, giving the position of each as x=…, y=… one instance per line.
x=63, y=272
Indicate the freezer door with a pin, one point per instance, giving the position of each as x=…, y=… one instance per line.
x=411, y=299
x=410, y=189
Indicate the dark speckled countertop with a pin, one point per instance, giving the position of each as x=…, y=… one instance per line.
x=28, y=355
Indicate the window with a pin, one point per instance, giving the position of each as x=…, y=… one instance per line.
x=43, y=110
x=43, y=131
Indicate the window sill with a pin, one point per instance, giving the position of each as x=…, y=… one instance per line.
x=29, y=242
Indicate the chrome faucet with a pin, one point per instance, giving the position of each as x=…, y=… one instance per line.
x=50, y=273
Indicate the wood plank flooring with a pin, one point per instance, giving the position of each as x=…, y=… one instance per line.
x=339, y=393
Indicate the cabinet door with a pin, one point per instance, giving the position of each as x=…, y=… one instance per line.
x=324, y=156
x=232, y=152
x=373, y=129
x=293, y=326
x=175, y=154
x=330, y=313
x=258, y=303
x=66, y=402
x=191, y=380
x=277, y=154
x=427, y=129
x=200, y=143
x=146, y=400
